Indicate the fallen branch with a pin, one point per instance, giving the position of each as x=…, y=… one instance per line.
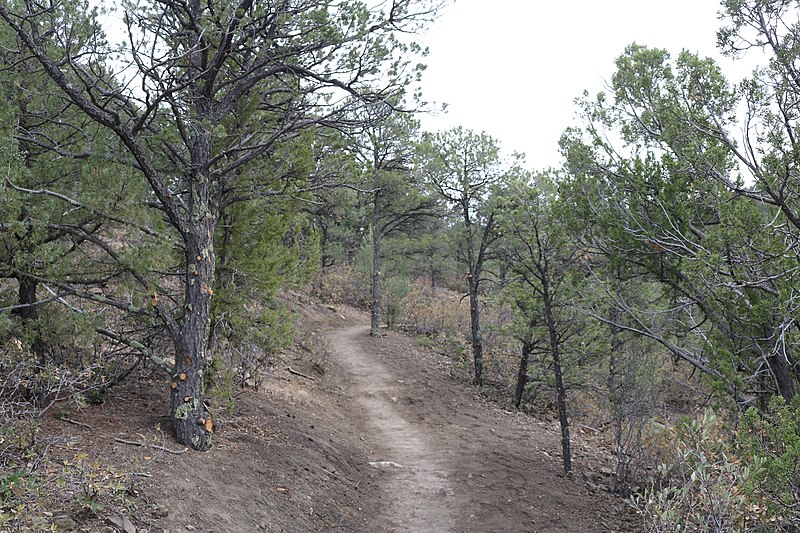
x=145, y=445
x=71, y=421
x=593, y=430
x=165, y=449
x=296, y=373
x=131, y=442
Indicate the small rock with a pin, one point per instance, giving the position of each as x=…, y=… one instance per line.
x=190, y=528
x=121, y=523
x=159, y=511
x=380, y=464
x=65, y=523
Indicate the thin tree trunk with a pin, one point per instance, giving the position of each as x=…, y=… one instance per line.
x=561, y=391
x=783, y=377
x=522, y=372
x=223, y=274
x=779, y=366
x=616, y=401
x=375, y=329
x=475, y=326
x=27, y=312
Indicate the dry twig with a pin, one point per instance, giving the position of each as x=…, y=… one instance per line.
x=296, y=373
x=154, y=446
x=71, y=421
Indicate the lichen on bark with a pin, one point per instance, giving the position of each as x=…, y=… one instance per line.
x=183, y=410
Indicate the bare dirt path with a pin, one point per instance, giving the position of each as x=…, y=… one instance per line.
x=380, y=436
x=445, y=460
x=412, y=466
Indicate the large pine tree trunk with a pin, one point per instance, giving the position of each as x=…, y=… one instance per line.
x=192, y=423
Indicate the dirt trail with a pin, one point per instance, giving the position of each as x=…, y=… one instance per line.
x=378, y=438
x=446, y=460
x=414, y=473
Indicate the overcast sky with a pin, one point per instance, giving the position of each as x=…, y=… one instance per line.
x=512, y=68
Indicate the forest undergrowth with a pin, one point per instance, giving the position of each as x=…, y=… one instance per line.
x=658, y=440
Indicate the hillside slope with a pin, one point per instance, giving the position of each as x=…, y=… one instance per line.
x=381, y=439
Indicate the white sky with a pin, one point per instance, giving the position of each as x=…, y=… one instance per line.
x=513, y=68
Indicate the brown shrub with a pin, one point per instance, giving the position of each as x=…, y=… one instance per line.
x=438, y=314
x=343, y=284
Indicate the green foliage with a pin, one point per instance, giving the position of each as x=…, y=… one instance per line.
x=220, y=384
x=21, y=502
x=265, y=245
x=34, y=484
x=429, y=254
x=658, y=207
x=772, y=441
x=395, y=290
x=340, y=218
x=263, y=248
x=706, y=487
x=363, y=257
x=719, y=482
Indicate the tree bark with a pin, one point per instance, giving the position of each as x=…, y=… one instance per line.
x=473, y=279
x=27, y=313
x=779, y=367
x=615, y=398
x=561, y=391
x=778, y=364
x=375, y=329
x=26, y=298
x=475, y=327
x=192, y=424
x=522, y=372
